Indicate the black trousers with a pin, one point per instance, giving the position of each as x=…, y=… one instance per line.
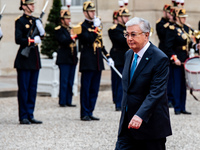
x=125, y=141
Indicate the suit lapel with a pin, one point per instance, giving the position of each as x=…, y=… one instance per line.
x=143, y=62
x=126, y=70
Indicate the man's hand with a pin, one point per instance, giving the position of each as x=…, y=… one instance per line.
x=135, y=122
x=37, y=39
x=97, y=22
x=110, y=62
x=178, y=62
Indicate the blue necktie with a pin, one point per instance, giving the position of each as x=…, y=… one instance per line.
x=134, y=64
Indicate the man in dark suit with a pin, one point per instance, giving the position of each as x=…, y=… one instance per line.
x=145, y=121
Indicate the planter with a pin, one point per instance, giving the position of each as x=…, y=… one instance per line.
x=48, y=81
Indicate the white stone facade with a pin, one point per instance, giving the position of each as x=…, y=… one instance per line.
x=147, y=9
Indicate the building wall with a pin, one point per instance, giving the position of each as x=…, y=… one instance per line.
x=150, y=10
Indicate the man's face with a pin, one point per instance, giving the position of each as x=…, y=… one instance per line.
x=29, y=8
x=183, y=19
x=66, y=21
x=169, y=16
x=136, y=39
x=123, y=19
x=164, y=14
x=90, y=14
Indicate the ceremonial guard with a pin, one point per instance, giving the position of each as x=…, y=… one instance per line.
x=162, y=26
x=27, y=62
x=119, y=48
x=91, y=60
x=178, y=42
x=66, y=58
x=113, y=82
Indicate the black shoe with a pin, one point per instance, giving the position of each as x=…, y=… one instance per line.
x=61, y=105
x=25, y=121
x=177, y=112
x=94, y=118
x=34, y=121
x=186, y=112
x=117, y=109
x=170, y=105
x=71, y=105
x=86, y=118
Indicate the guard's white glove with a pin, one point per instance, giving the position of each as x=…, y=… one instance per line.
x=40, y=27
x=37, y=39
x=96, y=21
x=110, y=62
x=1, y=33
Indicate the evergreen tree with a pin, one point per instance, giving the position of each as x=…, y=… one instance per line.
x=49, y=43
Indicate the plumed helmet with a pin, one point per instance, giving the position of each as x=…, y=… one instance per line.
x=180, y=12
x=88, y=5
x=26, y=2
x=123, y=12
x=65, y=14
x=115, y=14
x=167, y=7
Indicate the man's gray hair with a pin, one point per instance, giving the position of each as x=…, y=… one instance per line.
x=144, y=24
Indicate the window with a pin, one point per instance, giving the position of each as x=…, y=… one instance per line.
x=74, y=2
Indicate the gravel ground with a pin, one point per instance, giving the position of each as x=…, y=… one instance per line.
x=63, y=130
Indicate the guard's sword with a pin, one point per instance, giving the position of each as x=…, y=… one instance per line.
x=119, y=74
x=2, y=10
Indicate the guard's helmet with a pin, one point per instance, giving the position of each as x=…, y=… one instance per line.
x=115, y=14
x=26, y=2
x=167, y=7
x=123, y=12
x=180, y=12
x=65, y=14
x=88, y=5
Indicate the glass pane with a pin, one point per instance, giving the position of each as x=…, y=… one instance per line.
x=74, y=2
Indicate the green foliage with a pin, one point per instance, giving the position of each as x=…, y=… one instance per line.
x=49, y=43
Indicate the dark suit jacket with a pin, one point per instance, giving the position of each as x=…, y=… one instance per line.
x=146, y=95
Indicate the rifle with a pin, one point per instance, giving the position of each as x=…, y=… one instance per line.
x=25, y=52
x=2, y=10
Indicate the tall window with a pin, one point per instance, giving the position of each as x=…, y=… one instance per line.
x=74, y=2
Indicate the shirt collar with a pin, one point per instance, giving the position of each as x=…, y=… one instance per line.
x=143, y=50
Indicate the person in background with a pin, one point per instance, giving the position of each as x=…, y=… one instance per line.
x=162, y=25
x=178, y=42
x=66, y=59
x=119, y=48
x=145, y=121
x=91, y=60
x=27, y=66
